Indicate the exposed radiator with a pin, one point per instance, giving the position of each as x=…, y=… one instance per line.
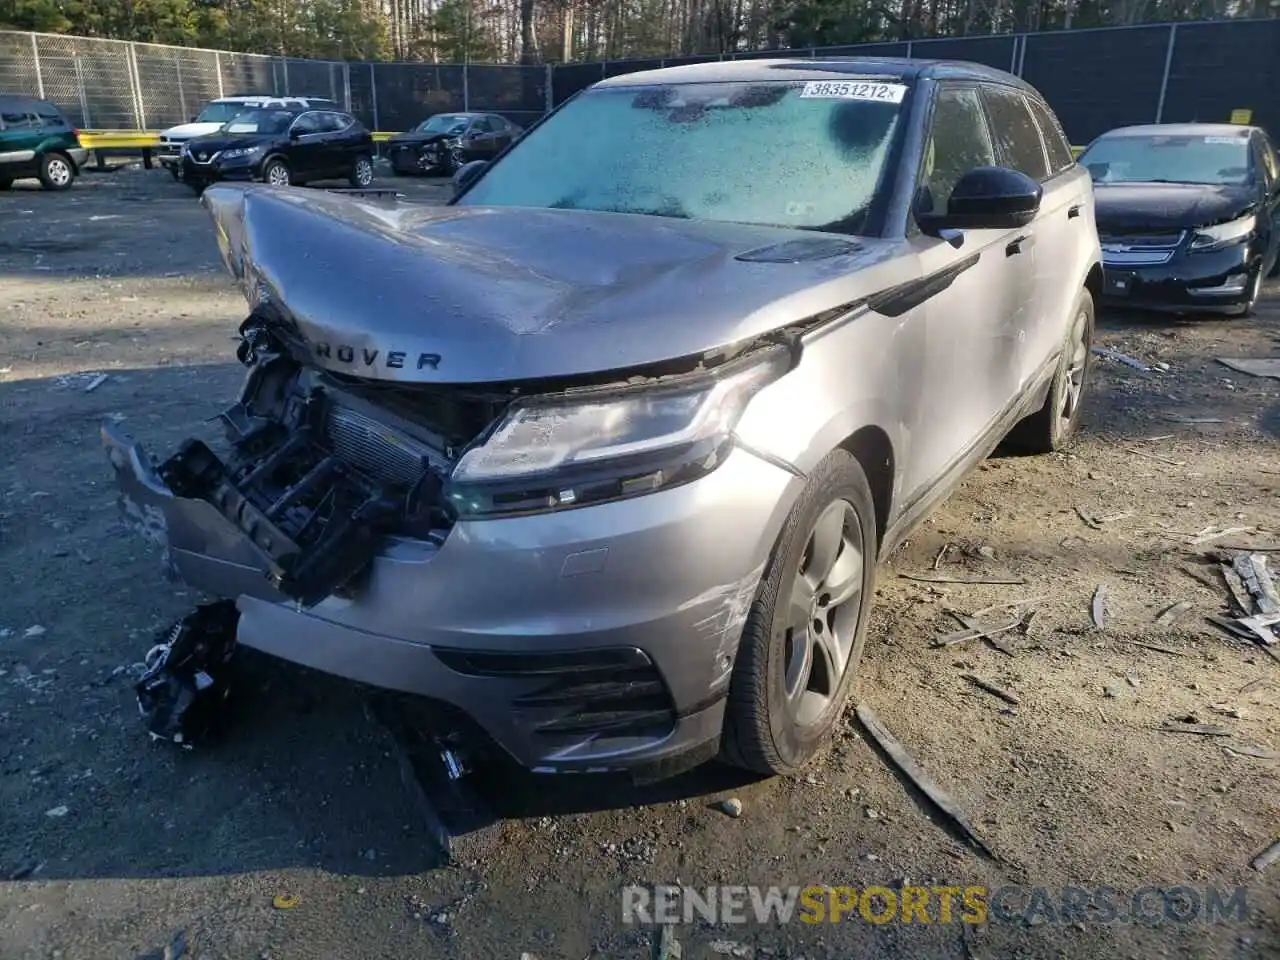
x=377, y=449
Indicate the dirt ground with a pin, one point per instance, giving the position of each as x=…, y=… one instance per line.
x=114, y=845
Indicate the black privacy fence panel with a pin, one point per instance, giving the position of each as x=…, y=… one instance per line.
x=1095, y=79
x=1222, y=67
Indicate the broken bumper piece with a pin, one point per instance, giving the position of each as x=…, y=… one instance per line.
x=299, y=525
x=185, y=681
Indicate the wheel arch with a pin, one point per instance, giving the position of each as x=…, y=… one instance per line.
x=1093, y=281
x=872, y=448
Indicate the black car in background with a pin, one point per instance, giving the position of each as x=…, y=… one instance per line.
x=445, y=142
x=1188, y=215
x=281, y=147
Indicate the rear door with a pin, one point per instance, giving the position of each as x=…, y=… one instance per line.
x=1064, y=242
x=969, y=374
x=1269, y=167
x=347, y=142
x=1020, y=147
x=20, y=136
x=307, y=148
x=501, y=134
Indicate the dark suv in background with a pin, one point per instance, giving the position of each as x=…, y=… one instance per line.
x=37, y=141
x=281, y=148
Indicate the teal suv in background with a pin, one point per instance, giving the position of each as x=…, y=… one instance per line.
x=37, y=141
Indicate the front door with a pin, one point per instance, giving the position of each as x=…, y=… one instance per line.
x=971, y=328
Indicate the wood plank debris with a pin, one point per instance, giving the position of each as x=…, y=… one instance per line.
x=943, y=578
x=1266, y=858
x=994, y=638
x=1150, y=646
x=975, y=633
x=991, y=688
x=1199, y=729
x=1254, y=367
x=1250, y=750
x=1251, y=568
x=924, y=783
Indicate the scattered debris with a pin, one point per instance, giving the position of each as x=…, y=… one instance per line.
x=1200, y=729
x=1254, y=685
x=1119, y=357
x=285, y=901
x=1099, y=606
x=1005, y=606
x=942, y=578
x=889, y=743
x=59, y=811
x=1163, y=436
x=732, y=807
x=1088, y=520
x=95, y=383
x=1150, y=646
x=993, y=637
x=974, y=633
x=1252, y=570
x=1156, y=456
x=665, y=944
x=1172, y=612
x=34, y=631
x=1194, y=420
x=1259, y=367
x=1266, y=858
x=730, y=948
x=1250, y=750
x=175, y=949
x=1239, y=593
x=992, y=689
x=942, y=554
x=1217, y=533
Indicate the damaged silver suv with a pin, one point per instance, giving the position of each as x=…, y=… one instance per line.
x=604, y=452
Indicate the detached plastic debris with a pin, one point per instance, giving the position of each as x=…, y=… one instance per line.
x=185, y=681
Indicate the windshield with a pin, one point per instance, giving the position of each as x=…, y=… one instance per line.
x=221, y=112
x=443, y=123
x=1197, y=159
x=802, y=155
x=260, y=121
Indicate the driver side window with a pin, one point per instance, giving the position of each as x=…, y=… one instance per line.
x=958, y=142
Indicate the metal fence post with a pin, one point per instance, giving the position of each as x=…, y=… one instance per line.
x=466, y=87
x=1022, y=55
x=346, y=87
x=135, y=81
x=1013, y=55
x=373, y=91
x=84, y=99
x=549, y=101
x=35, y=52
x=182, y=97
x=1168, y=63
x=910, y=47
x=284, y=66
x=217, y=67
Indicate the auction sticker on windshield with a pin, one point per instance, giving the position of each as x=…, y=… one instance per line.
x=854, y=90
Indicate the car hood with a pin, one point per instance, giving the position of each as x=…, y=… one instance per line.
x=227, y=141
x=473, y=294
x=186, y=131
x=1126, y=207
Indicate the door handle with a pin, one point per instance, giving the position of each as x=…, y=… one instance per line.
x=1016, y=246
x=1073, y=211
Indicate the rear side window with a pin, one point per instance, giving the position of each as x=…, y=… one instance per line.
x=17, y=120
x=958, y=142
x=1055, y=141
x=1015, y=132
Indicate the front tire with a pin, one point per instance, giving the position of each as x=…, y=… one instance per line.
x=276, y=173
x=56, y=171
x=1255, y=294
x=1052, y=426
x=803, y=637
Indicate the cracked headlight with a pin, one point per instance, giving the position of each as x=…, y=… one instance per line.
x=1224, y=234
x=237, y=152
x=592, y=446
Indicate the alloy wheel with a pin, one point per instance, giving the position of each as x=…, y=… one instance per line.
x=278, y=175
x=821, y=618
x=1073, y=376
x=364, y=172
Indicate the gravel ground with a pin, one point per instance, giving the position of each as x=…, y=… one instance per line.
x=114, y=845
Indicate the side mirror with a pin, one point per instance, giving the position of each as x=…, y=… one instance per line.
x=467, y=173
x=988, y=198
x=194, y=120
x=294, y=133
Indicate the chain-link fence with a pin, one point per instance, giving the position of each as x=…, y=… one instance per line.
x=1095, y=79
x=116, y=85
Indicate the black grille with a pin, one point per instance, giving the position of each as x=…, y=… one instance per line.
x=611, y=692
x=1154, y=240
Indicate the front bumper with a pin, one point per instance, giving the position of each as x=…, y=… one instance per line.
x=240, y=169
x=1213, y=282
x=600, y=638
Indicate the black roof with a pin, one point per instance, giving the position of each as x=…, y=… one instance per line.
x=821, y=68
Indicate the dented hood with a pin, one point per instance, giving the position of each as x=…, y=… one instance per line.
x=472, y=294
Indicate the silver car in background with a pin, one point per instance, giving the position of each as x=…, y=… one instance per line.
x=603, y=453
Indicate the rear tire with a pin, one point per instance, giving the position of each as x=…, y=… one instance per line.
x=56, y=171
x=361, y=172
x=803, y=637
x=1052, y=426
